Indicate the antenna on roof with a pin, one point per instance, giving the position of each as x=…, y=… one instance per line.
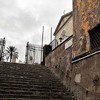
x=64, y=12
x=51, y=35
x=42, y=44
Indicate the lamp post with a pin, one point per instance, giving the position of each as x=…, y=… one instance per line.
x=27, y=47
x=60, y=39
x=63, y=36
x=2, y=43
x=34, y=54
x=0, y=50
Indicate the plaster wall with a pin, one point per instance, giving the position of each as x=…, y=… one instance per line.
x=86, y=15
x=68, y=28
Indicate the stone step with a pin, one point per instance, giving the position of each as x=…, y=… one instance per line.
x=23, y=96
x=27, y=80
x=40, y=76
x=27, y=99
x=30, y=82
x=18, y=86
x=52, y=97
x=31, y=71
x=19, y=66
x=45, y=74
x=34, y=92
x=31, y=91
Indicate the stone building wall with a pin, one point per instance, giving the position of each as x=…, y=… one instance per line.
x=59, y=62
x=85, y=80
x=86, y=15
x=79, y=72
x=81, y=77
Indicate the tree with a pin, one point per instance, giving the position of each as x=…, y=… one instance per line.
x=10, y=51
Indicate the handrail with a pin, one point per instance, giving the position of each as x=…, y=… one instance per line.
x=86, y=56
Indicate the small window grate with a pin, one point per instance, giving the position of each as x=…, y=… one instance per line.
x=95, y=38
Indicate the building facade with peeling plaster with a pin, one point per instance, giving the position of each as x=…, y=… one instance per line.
x=78, y=66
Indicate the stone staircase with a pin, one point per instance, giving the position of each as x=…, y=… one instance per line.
x=30, y=82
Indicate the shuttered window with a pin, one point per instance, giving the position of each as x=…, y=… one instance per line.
x=95, y=38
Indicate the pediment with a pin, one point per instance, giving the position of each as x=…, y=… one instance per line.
x=62, y=21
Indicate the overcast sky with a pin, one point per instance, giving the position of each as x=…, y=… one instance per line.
x=22, y=21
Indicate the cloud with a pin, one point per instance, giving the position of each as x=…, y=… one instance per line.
x=22, y=20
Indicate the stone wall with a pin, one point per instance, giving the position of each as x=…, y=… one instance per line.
x=85, y=80
x=85, y=77
x=59, y=62
x=81, y=77
x=86, y=15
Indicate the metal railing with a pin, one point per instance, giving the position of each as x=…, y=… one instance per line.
x=32, y=51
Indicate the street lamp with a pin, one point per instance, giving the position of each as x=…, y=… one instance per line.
x=60, y=39
x=2, y=43
x=27, y=47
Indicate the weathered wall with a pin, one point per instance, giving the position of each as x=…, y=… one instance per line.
x=86, y=15
x=86, y=78
x=59, y=61
x=82, y=77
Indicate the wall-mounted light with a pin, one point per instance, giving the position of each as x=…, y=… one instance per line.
x=60, y=39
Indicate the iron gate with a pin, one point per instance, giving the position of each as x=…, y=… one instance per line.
x=34, y=54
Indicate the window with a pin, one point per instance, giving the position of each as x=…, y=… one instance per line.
x=95, y=38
